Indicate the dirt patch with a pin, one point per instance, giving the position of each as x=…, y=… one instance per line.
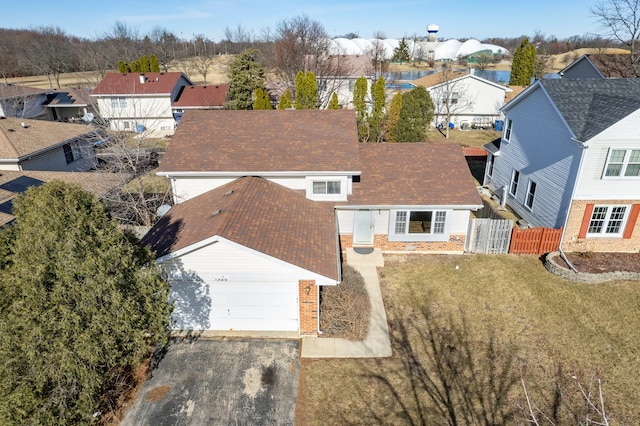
x=595, y=263
x=157, y=393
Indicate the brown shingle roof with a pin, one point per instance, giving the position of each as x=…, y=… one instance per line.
x=414, y=174
x=437, y=78
x=129, y=84
x=202, y=96
x=17, y=141
x=264, y=141
x=97, y=183
x=258, y=214
x=13, y=90
x=515, y=91
x=352, y=66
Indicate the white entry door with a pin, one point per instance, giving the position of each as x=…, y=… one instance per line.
x=363, y=228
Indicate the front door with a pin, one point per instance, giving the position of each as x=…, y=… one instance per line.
x=363, y=228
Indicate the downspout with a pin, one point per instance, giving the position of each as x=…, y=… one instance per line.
x=584, y=147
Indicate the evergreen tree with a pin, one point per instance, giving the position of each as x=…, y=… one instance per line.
x=135, y=66
x=333, y=103
x=82, y=304
x=359, y=103
x=523, y=64
x=393, y=117
x=401, y=53
x=245, y=75
x=376, y=117
x=144, y=64
x=415, y=115
x=261, y=99
x=285, y=100
x=123, y=67
x=154, y=64
x=306, y=91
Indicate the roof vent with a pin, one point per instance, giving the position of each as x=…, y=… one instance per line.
x=217, y=212
x=24, y=125
x=229, y=192
x=142, y=78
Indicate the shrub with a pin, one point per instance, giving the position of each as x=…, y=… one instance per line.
x=345, y=308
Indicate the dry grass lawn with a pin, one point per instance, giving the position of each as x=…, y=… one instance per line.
x=540, y=326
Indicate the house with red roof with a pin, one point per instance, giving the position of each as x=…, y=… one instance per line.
x=267, y=201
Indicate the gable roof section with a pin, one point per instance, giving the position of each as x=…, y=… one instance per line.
x=155, y=83
x=591, y=105
x=414, y=174
x=263, y=141
x=13, y=183
x=72, y=97
x=437, y=78
x=38, y=135
x=13, y=91
x=201, y=96
x=584, y=59
x=344, y=66
x=258, y=214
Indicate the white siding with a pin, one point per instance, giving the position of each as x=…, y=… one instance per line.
x=541, y=149
x=381, y=222
x=592, y=185
x=346, y=220
x=153, y=112
x=459, y=222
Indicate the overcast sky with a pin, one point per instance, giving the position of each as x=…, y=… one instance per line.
x=467, y=19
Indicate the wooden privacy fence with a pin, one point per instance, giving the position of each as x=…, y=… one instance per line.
x=535, y=240
x=489, y=236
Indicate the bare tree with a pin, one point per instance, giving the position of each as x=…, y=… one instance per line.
x=378, y=55
x=450, y=98
x=621, y=18
x=50, y=54
x=203, y=57
x=165, y=43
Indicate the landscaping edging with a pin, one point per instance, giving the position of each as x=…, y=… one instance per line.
x=582, y=277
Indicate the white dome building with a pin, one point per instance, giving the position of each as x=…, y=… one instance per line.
x=449, y=50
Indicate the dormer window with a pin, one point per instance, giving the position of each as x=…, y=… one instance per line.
x=324, y=188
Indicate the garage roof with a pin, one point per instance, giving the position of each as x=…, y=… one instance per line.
x=257, y=214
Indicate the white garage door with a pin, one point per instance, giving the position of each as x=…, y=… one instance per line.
x=258, y=306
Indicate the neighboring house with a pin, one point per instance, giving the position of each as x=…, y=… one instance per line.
x=13, y=183
x=46, y=145
x=338, y=74
x=570, y=157
x=140, y=102
x=71, y=105
x=468, y=101
x=21, y=101
x=311, y=167
x=199, y=97
x=599, y=65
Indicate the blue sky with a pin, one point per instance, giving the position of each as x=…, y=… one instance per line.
x=462, y=18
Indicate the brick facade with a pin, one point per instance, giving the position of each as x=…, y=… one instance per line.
x=454, y=245
x=573, y=243
x=308, y=297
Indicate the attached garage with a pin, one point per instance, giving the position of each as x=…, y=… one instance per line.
x=245, y=268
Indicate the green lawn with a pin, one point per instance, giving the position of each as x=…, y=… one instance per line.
x=479, y=323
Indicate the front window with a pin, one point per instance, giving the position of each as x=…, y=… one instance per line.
x=72, y=152
x=531, y=193
x=454, y=97
x=513, y=187
x=623, y=163
x=326, y=187
x=607, y=220
x=507, y=130
x=417, y=225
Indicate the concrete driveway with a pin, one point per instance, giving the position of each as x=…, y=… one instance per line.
x=221, y=382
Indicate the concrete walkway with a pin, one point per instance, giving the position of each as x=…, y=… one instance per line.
x=377, y=343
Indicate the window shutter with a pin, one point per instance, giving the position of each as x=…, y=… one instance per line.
x=631, y=223
x=588, y=211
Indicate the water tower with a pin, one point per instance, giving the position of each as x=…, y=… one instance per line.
x=433, y=30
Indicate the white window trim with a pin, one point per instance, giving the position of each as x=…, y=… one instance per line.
x=514, y=191
x=533, y=196
x=508, y=130
x=625, y=163
x=623, y=224
x=393, y=236
x=342, y=196
x=490, y=164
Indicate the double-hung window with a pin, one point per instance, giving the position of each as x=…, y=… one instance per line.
x=531, y=193
x=419, y=225
x=513, y=186
x=623, y=163
x=119, y=102
x=607, y=221
x=507, y=129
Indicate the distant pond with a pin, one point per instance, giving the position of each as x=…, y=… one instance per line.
x=491, y=75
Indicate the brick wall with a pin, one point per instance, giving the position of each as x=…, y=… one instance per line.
x=308, y=296
x=455, y=244
x=572, y=242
